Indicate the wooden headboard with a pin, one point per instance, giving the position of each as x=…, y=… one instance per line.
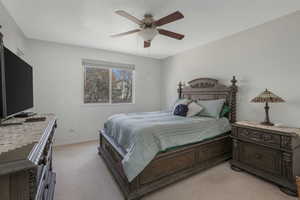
x=210, y=89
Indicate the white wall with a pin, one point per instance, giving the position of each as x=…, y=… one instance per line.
x=267, y=56
x=13, y=36
x=58, y=86
x=58, y=82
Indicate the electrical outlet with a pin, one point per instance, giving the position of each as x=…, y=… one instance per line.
x=72, y=130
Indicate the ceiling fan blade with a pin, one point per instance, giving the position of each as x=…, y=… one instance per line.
x=147, y=44
x=171, y=34
x=126, y=33
x=170, y=18
x=129, y=16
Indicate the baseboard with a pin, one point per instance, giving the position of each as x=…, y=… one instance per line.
x=74, y=143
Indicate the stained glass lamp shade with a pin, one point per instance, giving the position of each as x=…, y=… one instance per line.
x=267, y=97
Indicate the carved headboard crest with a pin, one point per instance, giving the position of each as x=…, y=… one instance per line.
x=203, y=83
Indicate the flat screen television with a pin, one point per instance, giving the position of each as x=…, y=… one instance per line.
x=16, y=91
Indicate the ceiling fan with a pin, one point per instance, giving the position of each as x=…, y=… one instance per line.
x=149, y=27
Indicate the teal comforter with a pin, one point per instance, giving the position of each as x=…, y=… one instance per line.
x=143, y=135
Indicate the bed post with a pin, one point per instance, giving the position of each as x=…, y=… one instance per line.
x=234, y=90
x=179, y=90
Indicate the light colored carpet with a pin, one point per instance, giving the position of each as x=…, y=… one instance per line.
x=82, y=175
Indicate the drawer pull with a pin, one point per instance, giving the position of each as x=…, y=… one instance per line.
x=268, y=137
x=255, y=138
x=258, y=156
x=42, y=161
x=261, y=137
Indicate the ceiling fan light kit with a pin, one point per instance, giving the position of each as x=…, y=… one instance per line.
x=148, y=26
x=148, y=34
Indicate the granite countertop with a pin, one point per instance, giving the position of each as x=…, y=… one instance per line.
x=17, y=136
x=294, y=131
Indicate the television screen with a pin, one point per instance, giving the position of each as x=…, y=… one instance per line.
x=18, y=84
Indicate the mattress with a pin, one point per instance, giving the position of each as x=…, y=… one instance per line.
x=143, y=135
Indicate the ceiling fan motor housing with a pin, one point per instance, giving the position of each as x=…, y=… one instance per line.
x=148, y=21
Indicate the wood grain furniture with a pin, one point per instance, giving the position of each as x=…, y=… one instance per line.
x=26, y=160
x=174, y=165
x=269, y=152
x=298, y=185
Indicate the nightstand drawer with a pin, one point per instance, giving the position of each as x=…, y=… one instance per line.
x=259, y=157
x=259, y=136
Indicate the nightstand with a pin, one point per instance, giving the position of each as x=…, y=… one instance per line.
x=269, y=152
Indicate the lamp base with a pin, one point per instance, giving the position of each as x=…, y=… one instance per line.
x=267, y=119
x=267, y=123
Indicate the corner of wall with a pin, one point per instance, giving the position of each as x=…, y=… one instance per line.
x=14, y=38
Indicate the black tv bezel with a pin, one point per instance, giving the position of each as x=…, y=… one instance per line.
x=2, y=74
x=4, y=116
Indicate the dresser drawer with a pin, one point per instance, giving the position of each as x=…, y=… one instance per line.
x=258, y=137
x=48, y=192
x=42, y=183
x=260, y=157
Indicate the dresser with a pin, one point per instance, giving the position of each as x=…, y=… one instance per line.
x=269, y=152
x=26, y=171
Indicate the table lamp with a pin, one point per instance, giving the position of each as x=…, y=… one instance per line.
x=267, y=97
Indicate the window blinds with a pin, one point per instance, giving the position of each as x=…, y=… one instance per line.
x=100, y=63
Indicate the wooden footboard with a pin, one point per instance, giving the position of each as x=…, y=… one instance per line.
x=167, y=167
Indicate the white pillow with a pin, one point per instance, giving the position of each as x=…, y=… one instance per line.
x=194, y=109
x=212, y=108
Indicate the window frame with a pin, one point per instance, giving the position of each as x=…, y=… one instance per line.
x=110, y=66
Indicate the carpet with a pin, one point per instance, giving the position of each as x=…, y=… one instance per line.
x=82, y=175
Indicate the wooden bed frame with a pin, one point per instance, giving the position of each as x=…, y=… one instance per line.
x=174, y=165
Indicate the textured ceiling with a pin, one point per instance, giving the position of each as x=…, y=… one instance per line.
x=89, y=23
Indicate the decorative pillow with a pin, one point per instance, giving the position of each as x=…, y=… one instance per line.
x=181, y=110
x=225, y=111
x=212, y=108
x=194, y=109
x=180, y=101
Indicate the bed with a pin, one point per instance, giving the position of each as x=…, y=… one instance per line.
x=172, y=164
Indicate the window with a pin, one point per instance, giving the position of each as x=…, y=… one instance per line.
x=121, y=86
x=96, y=88
x=109, y=83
